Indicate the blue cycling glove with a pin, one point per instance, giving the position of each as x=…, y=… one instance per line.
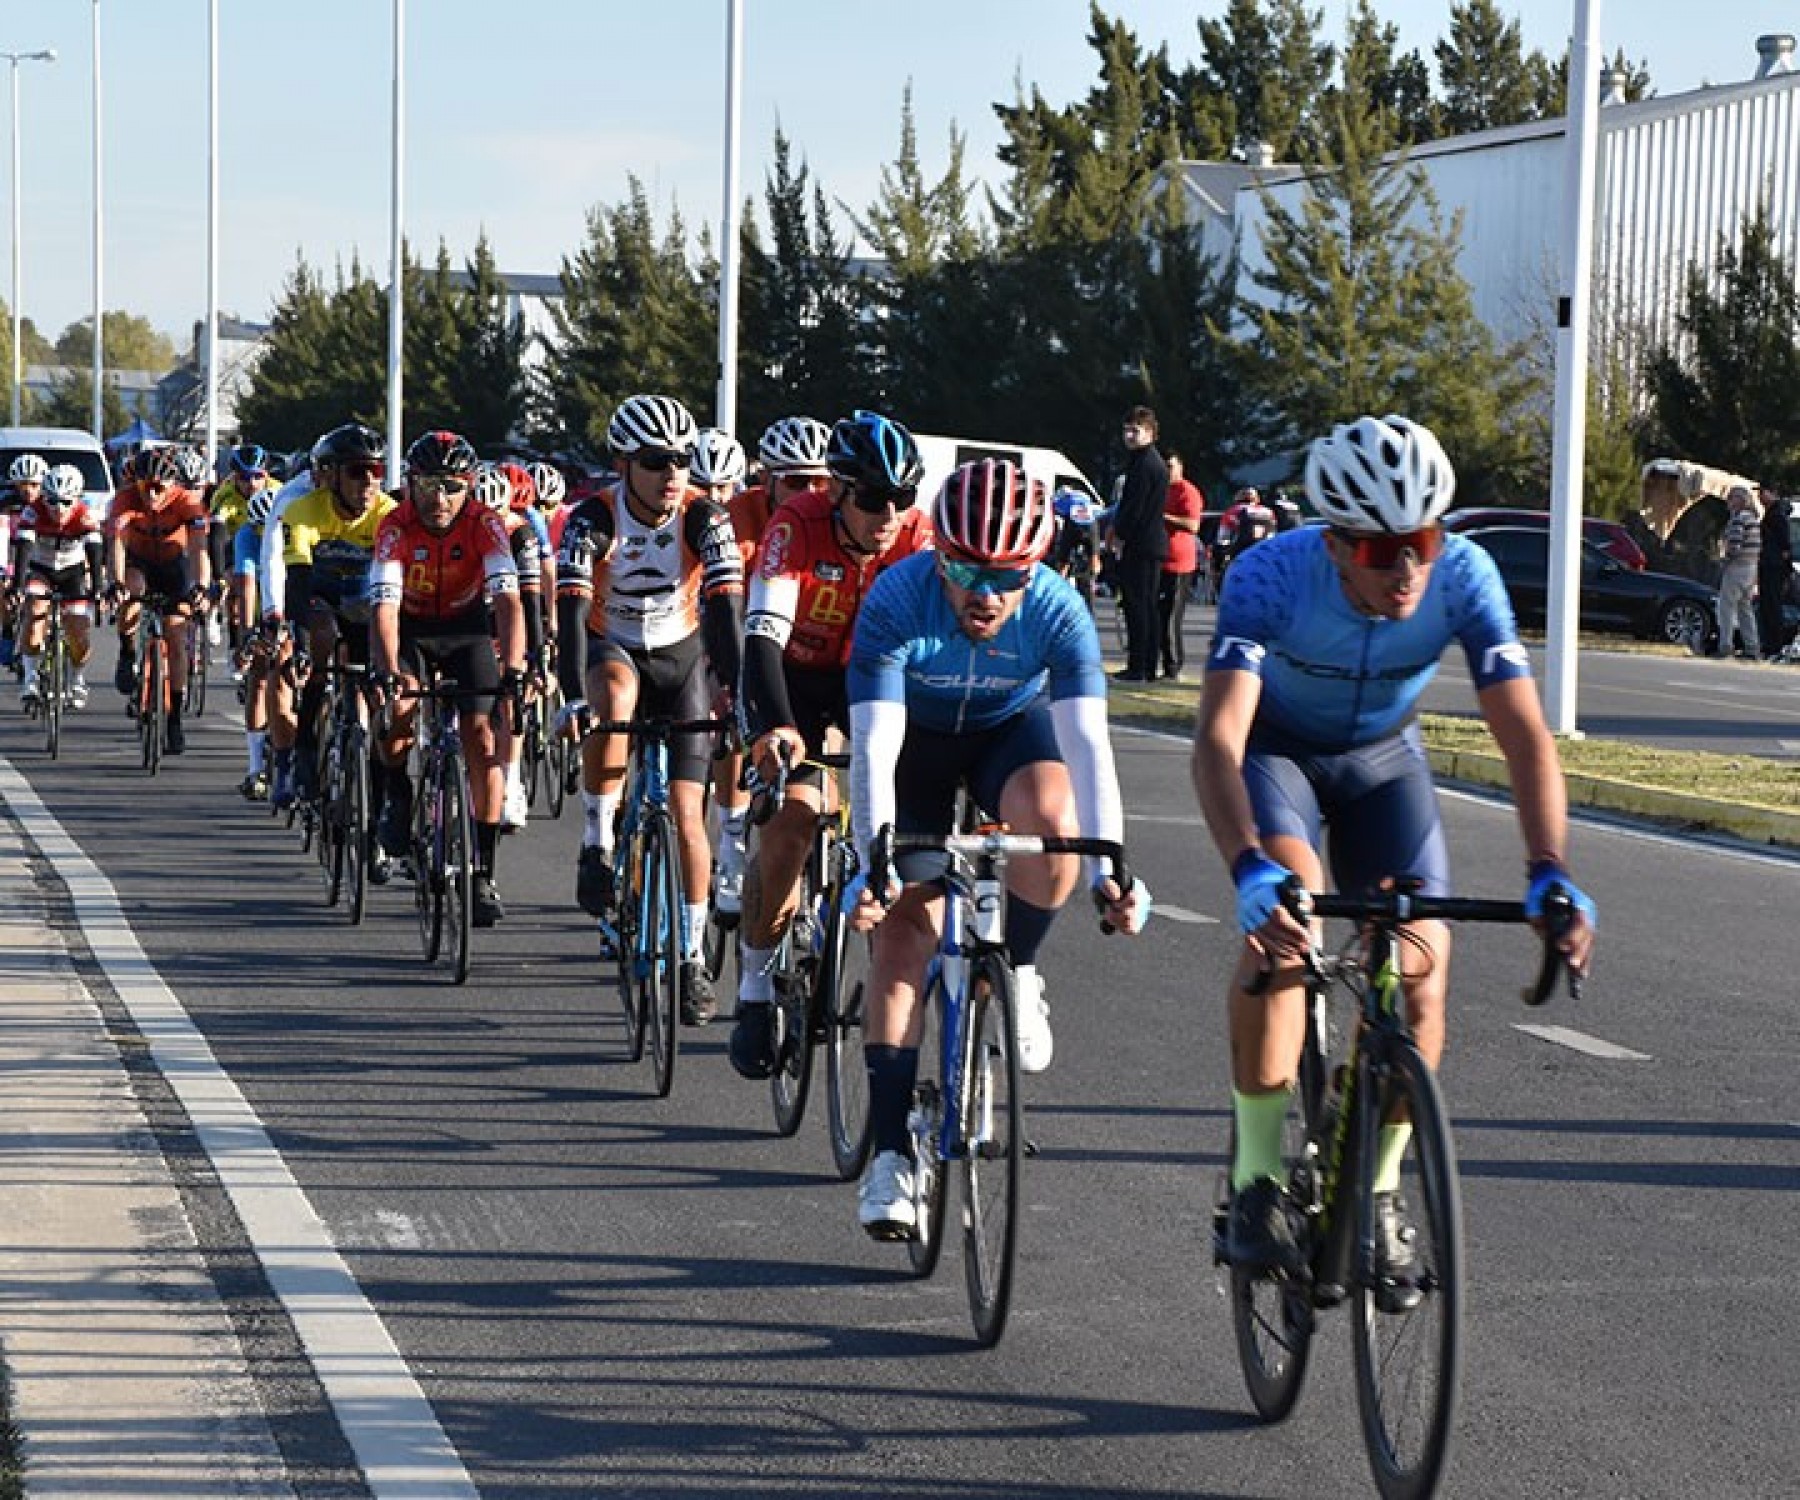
x=1259, y=882
x=1547, y=877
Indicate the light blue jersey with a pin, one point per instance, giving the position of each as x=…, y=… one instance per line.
x=1334, y=678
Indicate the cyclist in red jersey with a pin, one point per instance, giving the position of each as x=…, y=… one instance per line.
x=507, y=490
x=818, y=558
x=57, y=539
x=440, y=563
x=156, y=546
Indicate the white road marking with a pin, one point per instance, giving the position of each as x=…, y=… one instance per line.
x=1182, y=914
x=384, y=1414
x=1580, y=1041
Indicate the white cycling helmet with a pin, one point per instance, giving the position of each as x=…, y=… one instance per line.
x=795, y=445
x=28, y=468
x=718, y=458
x=190, y=467
x=552, y=488
x=1379, y=474
x=64, y=484
x=492, y=488
x=650, y=422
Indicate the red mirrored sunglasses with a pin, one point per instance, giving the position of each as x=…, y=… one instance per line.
x=1384, y=550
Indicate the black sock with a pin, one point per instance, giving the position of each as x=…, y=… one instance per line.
x=1026, y=928
x=892, y=1073
x=485, y=836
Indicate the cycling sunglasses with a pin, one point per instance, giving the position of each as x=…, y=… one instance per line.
x=1385, y=549
x=876, y=502
x=361, y=471
x=661, y=460
x=447, y=484
x=975, y=579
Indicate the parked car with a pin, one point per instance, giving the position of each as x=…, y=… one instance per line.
x=1609, y=536
x=1653, y=606
x=62, y=445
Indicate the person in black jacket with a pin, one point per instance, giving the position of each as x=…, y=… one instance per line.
x=1774, y=571
x=1142, y=542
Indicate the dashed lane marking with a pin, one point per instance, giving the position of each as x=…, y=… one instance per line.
x=1580, y=1041
x=1182, y=914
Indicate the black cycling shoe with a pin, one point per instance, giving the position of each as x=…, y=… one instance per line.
x=393, y=831
x=752, y=1046
x=376, y=864
x=593, y=881
x=1397, y=1287
x=484, y=902
x=175, y=738
x=697, y=1003
x=1259, y=1234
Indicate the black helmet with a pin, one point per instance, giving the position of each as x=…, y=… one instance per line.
x=876, y=452
x=441, y=453
x=350, y=444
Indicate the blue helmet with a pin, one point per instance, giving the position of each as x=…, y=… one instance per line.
x=876, y=452
x=248, y=460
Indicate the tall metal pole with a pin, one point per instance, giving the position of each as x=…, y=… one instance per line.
x=18, y=228
x=1562, y=655
x=396, y=252
x=729, y=220
x=99, y=254
x=212, y=234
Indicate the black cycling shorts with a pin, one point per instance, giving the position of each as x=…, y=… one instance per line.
x=673, y=683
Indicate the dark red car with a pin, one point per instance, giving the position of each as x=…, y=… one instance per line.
x=1609, y=536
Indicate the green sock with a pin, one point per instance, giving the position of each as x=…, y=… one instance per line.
x=1388, y=1152
x=1261, y=1119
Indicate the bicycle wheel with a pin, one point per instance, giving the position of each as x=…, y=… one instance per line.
x=199, y=660
x=52, y=683
x=558, y=756
x=153, y=704
x=796, y=1011
x=659, y=944
x=428, y=885
x=331, y=821
x=846, y=972
x=930, y=1171
x=628, y=906
x=992, y=1131
x=459, y=864
x=531, y=754
x=356, y=829
x=1408, y=1327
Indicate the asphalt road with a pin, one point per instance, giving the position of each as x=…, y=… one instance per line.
x=601, y=1292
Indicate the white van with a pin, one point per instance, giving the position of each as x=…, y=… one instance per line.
x=1056, y=470
x=62, y=445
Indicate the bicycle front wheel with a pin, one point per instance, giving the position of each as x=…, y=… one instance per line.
x=356, y=831
x=459, y=864
x=992, y=1147
x=199, y=659
x=796, y=1001
x=931, y=1173
x=1408, y=1313
x=331, y=822
x=659, y=947
x=428, y=883
x=628, y=907
x=846, y=972
x=52, y=681
x=153, y=705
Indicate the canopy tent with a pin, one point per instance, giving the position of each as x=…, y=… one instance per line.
x=134, y=436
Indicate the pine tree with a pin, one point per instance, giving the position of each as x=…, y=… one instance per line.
x=1486, y=76
x=1267, y=60
x=324, y=360
x=487, y=378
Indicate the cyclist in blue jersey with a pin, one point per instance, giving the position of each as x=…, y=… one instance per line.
x=1326, y=636
x=971, y=666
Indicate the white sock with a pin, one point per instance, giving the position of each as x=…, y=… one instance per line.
x=755, y=985
x=693, y=925
x=601, y=809
x=730, y=823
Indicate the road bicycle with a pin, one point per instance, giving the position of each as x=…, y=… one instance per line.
x=819, y=971
x=344, y=818
x=199, y=662
x=643, y=932
x=53, y=678
x=150, y=694
x=1360, y=1070
x=443, y=840
x=547, y=755
x=966, y=1112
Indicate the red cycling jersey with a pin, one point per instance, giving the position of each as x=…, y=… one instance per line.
x=441, y=577
x=156, y=531
x=56, y=539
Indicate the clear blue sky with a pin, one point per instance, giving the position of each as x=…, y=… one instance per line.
x=522, y=116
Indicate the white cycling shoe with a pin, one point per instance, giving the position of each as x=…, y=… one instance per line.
x=1031, y=1021
x=885, y=1209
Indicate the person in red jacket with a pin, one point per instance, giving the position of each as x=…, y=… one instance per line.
x=1182, y=517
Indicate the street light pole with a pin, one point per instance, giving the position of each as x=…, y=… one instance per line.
x=99, y=255
x=18, y=224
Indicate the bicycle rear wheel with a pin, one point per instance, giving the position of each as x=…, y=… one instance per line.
x=199, y=660
x=841, y=985
x=1408, y=1328
x=796, y=1006
x=659, y=942
x=459, y=864
x=356, y=829
x=992, y=1131
x=931, y=1173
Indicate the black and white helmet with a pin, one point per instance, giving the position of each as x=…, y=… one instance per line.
x=261, y=503
x=64, y=484
x=190, y=467
x=718, y=458
x=1379, y=474
x=659, y=422
x=795, y=445
x=549, y=483
x=28, y=468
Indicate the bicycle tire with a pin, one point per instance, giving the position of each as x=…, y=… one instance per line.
x=154, y=706
x=357, y=831
x=845, y=976
x=199, y=664
x=1408, y=1359
x=627, y=900
x=931, y=1174
x=459, y=864
x=659, y=941
x=428, y=896
x=992, y=1136
x=331, y=822
x=559, y=752
x=796, y=986
x=531, y=754
x=52, y=679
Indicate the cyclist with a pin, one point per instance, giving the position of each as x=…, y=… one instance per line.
x=441, y=563
x=550, y=487
x=508, y=491
x=246, y=476
x=1326, y=637
x=157, y=547
x=971, y=665
x=57, y=542
x=649, y=589
x=1075, y=551
x=24, y=482
x=315, y=573
x=253, y=655
x=819, y=557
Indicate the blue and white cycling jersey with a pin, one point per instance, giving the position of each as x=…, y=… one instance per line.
x=1334, y=678
x=246, y=550
x=909, y=649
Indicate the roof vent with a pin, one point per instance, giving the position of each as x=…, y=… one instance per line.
x=1612, y=86
x=1775, y=54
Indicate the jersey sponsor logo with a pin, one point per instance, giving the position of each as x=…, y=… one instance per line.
x=828, y=606
x=1509, y=652
x=1240, y=646
x=774, y=550
x=420, y=580
x=421, y=554
x=769, y=627
x=967, y=680
x=830, y=572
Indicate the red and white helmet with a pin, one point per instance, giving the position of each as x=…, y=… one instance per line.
x=492, y=488
x=988, y=512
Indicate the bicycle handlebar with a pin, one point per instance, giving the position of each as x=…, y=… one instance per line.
x=998, y=841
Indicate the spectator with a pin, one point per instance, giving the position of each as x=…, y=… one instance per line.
x=1186, y=505
x=1141, y=541
x=1737, y=581
x=1248, y=522
x=1774, y=571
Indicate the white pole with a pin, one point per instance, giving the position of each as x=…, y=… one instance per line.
x=99, y=255
x=18, y=228
x=396, y=251
x=1562, y=654
x=729, y=220
x=212, y=234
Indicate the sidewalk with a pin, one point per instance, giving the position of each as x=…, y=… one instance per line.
x=127, y=1378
